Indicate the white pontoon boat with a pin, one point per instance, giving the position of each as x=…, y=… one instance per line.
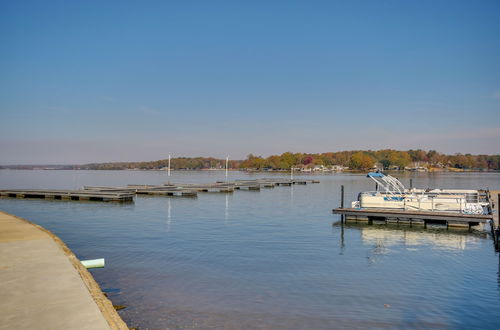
x=391, y=194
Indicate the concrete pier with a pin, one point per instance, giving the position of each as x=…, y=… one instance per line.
x=44, y=286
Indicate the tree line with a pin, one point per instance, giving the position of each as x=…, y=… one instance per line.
x=354, y=159
x=383, y=159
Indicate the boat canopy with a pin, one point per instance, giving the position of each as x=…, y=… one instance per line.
x=374, y=175
x=388, y=183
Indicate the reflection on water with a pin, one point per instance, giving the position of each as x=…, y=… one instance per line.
x=268, y=259
x=412, y=239
x=226, y=209
x=169, y=214
x=498, y=273
x=342, y=242
x=387, y=239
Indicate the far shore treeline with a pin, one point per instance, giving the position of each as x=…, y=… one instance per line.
x=342, y=160
x=355, y=160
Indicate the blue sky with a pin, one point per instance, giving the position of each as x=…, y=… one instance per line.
x=92, y=81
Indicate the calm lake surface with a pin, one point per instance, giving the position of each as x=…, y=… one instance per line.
x=269, y=259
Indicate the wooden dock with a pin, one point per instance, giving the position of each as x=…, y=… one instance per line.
x=192, y=189
x=494, y=199
x=146, y=190
x=226, y=187
x=126, y=194
x=413, y=218
x=272, y=182
x=73, y=195
x=165, y=191
x=201, y=187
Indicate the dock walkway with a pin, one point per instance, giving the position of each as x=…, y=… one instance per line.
x=192, y=189
x=126, y=194
x=396, y=216
x=44, y=286
x=78, y=195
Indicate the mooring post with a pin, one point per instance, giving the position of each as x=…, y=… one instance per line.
x=342, y=196
x=342, y=202
x=497, y=246
x=494, y=233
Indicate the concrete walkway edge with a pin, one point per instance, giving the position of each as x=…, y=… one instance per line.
x=103, y=303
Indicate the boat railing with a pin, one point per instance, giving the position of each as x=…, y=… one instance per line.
x=469, y=197
x=464, y=204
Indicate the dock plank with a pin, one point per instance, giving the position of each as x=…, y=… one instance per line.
x=430, y=215
x=104, y=196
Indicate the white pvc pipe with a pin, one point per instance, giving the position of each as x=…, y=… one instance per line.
x=94, y=263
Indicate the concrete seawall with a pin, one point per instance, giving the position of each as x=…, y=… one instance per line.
x=44, y=286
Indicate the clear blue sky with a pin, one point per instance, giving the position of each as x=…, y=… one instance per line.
x=92, y=81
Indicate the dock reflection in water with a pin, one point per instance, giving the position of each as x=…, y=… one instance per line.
x=413, y=239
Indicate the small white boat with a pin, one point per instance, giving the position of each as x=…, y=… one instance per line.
x=391, y=194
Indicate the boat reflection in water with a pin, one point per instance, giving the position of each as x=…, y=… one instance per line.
x=390, y=241
x=414, y=238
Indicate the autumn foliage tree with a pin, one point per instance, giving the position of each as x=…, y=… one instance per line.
x=360, y=160
x=357, y=160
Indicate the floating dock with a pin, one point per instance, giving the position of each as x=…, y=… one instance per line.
x=162, y=190
x=414, y=218
x=191, y=189
x=272, y=182
x=196, y=187
x=74, y=195
x=126, y=194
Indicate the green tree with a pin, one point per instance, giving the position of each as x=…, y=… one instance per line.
x=400, y=159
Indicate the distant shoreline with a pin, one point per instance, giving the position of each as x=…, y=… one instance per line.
x=341, y=161
x=298, y=172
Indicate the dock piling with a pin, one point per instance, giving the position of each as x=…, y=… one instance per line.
x=342, y=196
x=342, y=202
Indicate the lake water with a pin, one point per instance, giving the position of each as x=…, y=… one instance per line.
x=270, y=259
